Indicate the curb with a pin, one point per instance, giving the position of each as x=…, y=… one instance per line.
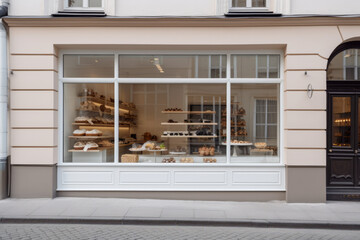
x=165, y=222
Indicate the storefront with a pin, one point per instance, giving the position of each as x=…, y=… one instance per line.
x=172, y=126
x=171, y=108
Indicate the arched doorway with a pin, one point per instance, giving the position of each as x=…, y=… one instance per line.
x=343, y=123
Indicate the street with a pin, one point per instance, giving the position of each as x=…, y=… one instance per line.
x=93, y=231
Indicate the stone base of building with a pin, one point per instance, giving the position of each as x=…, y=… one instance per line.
x=30, y=181
x=203, y=196
x=306, y=184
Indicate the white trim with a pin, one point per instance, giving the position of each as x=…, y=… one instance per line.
x=228, y=80
x=171, y=178
x=249, y=7
x=85, y=6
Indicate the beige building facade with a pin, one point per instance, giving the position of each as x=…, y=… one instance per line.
x=38, y=49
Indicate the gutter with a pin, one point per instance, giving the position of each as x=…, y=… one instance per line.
x=3, y=106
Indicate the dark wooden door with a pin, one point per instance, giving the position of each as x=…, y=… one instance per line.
x=343, y=145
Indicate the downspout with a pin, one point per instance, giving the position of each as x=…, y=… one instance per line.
x=3, y=106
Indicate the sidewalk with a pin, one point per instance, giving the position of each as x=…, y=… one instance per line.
x=339, y=215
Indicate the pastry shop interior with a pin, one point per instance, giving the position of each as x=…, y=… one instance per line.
x=171, y=123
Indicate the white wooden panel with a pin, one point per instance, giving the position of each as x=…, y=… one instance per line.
x=80, y=177
x=161, y=177
x=144, y=177
x=268, y=177
x=200, y=177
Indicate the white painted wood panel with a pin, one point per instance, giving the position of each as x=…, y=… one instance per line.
x=194, y=177
x=257, y=177
x=144, y=177
x=87, y=177
x=170, y=178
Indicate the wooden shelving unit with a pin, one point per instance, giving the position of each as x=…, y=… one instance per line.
x=188, y=124
x=100, y=149
x=194, y=136
x=90, y=137
x=189, y=112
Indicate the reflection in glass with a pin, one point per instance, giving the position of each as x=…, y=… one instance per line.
x=95, y=3
x=254, y=123
x=88, y=66
x=258, y=3
x=173, y=123
x=75, y=3
x=238, y=3
x=341, y=122
x=255, y=66
x=345, y=66
x=172, y=66
x=88, y=123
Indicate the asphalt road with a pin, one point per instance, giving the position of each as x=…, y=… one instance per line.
x=94, y=231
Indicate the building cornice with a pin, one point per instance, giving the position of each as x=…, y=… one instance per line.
x=179, y=21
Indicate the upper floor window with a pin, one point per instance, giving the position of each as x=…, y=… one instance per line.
x=92, y=4
x=252, y=5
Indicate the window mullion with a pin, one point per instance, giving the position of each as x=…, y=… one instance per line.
x=248, y=3
x=116, y=109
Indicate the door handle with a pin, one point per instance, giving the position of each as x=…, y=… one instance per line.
x=356, y=151
x=330, y=150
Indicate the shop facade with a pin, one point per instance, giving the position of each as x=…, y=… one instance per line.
x=172, y=108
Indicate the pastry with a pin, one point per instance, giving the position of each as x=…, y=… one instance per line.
x=94, y=132
x=90, y=146
x=82, y=120
x=79, y=145
x=105, y=143
x=209, y=160
x=187, y=160
x=79, y=132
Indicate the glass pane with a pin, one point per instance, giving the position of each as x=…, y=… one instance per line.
x=75, y=3
x=255, y=66
x=95, y=3
x=254, y=125
x=88, y=123
x=258, y=3
x=341, y=122
x=174, y=123
x=358, y=122
x=344, y=66
x=238, y=3
x=172, y=66
x=244, y=66
x=88, y=66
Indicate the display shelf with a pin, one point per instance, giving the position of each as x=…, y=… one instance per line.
x=194, y=136
x=161, y=150
x=238, y=144
x=188, y=124
x=122, y=106
x=125, y=144
x=102, y=125
x=189, y=112
x=88, y=110
x=100, y=149
x=91, y=137
x=177, y=153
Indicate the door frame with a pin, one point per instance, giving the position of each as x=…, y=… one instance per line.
x=351, y=89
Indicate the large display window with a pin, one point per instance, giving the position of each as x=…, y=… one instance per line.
x=219, y=118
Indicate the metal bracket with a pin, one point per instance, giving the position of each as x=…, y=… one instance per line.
x=310, y=91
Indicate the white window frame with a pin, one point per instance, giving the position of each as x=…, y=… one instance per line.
x=85, y=6
x=249, y=7
x=116, y=81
